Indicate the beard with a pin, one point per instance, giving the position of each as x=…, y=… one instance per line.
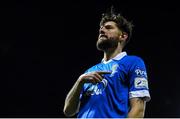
x=105, y=44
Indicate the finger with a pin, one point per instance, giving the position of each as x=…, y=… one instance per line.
x=103, y=72
x=92, y=79
x=98, y=76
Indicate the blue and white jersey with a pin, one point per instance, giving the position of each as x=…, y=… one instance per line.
x=110, y=97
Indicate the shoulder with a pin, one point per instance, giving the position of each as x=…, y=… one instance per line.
x=93, y=68
x=132, y=59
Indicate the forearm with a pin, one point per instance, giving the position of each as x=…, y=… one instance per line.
x=137, y=108
x=72, y=100
x=136, y=113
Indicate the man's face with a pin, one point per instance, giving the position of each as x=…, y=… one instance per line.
x=109, y=36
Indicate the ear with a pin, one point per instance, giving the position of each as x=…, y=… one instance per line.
x=124, y=36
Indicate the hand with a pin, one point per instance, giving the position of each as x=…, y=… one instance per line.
x=93, y=77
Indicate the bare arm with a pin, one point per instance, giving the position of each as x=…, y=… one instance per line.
x=137, y=108
x=72, y=102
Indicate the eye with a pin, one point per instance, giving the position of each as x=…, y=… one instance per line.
x=108, y=27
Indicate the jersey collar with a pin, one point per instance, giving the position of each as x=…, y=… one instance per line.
x=117, y=57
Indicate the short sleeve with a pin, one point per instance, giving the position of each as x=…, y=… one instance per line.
x=138, y=80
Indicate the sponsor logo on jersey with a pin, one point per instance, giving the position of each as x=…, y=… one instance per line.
x=114, y=69
x=140, y=72
x=140, y=82
x=98, y=88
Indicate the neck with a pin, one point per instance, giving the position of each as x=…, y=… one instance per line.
x=112, y=52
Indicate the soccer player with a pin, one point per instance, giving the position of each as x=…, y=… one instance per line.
x=117, y=87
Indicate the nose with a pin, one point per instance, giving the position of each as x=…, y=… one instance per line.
x=102, y=30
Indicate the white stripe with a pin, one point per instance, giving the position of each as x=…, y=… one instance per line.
x=140, y=93
x=117, y=57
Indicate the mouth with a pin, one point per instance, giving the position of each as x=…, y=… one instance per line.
x=102, y=35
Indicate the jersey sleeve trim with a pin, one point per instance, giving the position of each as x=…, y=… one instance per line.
x=140, y=93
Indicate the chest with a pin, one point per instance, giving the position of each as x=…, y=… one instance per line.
x=111, y=82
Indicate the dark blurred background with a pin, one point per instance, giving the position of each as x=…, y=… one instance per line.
x=46, y=45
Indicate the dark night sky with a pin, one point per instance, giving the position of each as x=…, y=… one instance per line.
x=46, y=45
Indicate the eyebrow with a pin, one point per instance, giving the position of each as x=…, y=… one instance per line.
x=108, y=25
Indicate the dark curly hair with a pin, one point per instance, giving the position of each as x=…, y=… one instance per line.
x=122, y=23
